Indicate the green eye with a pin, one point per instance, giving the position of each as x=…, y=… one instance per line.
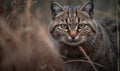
x=64, y=26
x=82, y=25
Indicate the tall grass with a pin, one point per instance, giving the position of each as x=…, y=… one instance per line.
x=24, y=42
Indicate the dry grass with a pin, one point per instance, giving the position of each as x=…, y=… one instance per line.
x=21, y=32
x=24, y=41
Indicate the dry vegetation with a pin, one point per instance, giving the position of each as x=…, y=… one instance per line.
x=21, y=32
x=24, y=42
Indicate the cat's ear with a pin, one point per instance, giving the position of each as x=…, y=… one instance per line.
x=88, y=7
x=56, y=8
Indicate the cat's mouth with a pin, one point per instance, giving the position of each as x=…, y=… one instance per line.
x=72, y=42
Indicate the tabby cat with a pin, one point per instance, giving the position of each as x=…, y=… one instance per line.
x=75, y=26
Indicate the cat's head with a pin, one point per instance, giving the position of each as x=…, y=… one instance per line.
x=72, y=25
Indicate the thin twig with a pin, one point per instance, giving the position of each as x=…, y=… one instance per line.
x=81, y=49
x=69, y=61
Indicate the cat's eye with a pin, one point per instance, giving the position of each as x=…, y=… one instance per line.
x=64, y=26
x=82, y=26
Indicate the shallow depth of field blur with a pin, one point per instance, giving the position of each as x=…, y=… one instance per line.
x=20, y=14
x=40, y=9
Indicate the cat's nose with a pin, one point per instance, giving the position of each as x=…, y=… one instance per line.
x=73, y=34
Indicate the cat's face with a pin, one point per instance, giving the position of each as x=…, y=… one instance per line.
x=72, y=25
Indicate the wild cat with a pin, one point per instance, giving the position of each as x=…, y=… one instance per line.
x=82, y=42
x=27, y=50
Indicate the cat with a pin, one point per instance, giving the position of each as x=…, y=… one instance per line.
x=27, y=49
x=73, y=27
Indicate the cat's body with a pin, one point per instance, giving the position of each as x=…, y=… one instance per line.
x=74, y=27
x=27, y=50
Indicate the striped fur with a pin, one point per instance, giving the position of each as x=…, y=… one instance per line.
x=72, y=17
x=74, y=26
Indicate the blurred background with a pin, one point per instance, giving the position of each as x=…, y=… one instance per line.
x=103, y=8
x=22, y=12
x=19, y=15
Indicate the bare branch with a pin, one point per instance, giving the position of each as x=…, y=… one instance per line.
x=85, y=62
x=81, y=49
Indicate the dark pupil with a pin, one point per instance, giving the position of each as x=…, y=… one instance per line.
x=64, y=26
x=81, y=26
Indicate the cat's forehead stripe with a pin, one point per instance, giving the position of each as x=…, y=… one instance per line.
x=71, y=12
x=72, y=17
